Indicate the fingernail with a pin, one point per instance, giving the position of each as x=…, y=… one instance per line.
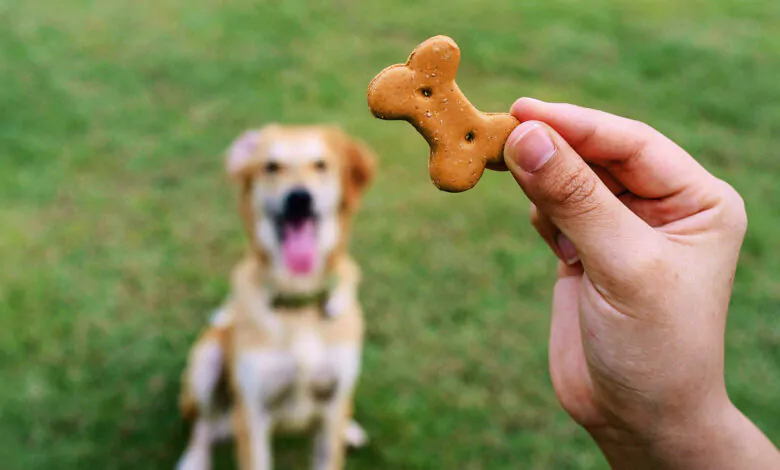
x=529, y=146
x=567, y=250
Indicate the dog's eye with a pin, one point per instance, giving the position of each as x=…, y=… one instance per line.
x=320, y=165
x=272, y=167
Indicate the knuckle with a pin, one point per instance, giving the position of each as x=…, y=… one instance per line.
x=735, y=214
x=643, y=127
x=642, y=130
x=576, y=191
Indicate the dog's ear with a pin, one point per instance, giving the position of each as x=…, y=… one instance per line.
x=359, y=169
x=241, y=153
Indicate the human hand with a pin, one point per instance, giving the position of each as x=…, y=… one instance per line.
x=649, y=242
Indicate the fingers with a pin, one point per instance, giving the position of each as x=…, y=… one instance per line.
x=560, y=245
x=646, y=162
x=610, y=181
x=571, y=195
x=546, y=229
x=568, y=368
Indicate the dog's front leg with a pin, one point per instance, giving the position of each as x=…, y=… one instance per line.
x=329, y=442
x=197, y=456
x=263, y=380
x=253, y=437
x=200, y=378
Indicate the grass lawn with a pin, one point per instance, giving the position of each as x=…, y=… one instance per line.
x=117, y=227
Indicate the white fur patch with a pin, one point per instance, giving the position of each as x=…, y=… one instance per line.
x=355, y=435
x=198, y=453
x=327, y=195
x=308, y=350
x=266, y=234
x=346, y=360
x=341, y=300
x=205, y=372
x=298, y=150
x=261, y=374
x=249, y=381
x=196, y=458
x=221, y=318
x=328, y=235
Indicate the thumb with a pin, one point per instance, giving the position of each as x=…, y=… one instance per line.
x=566, y=190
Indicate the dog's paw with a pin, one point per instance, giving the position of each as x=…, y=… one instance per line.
x=355, y=435
x=195, y=459
x=339, y=301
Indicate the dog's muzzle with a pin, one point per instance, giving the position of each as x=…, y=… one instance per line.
x=297, y=230
x=298, y=206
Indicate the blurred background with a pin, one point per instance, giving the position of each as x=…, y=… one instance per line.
x=118, y=228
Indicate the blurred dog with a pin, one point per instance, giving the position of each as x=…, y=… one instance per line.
x=283, y=353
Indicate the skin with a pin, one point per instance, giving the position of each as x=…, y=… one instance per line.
x=648, y=242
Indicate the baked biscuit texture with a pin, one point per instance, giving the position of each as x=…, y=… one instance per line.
x=463, y=140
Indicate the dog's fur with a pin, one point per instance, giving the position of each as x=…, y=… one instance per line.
x=264, y=365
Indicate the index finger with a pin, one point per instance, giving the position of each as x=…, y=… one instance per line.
x=645, y=161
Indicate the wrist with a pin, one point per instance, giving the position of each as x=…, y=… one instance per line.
x=661, y=439
x=721, y=437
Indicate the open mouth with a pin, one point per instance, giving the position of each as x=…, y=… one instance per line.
x=297, y=231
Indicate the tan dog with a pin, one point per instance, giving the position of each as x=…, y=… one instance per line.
x=283, y=353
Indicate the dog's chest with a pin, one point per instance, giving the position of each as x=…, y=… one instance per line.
x=294, y=381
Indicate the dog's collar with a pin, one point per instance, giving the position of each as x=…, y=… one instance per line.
x=287, y=300
x=292, y=301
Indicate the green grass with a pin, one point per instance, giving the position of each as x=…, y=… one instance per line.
x=117, y=228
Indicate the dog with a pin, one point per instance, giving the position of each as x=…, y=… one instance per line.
x=283, y=352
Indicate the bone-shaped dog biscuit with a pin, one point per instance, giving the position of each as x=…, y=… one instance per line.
x=463, y=140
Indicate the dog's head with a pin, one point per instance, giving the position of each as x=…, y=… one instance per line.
x=301, y=186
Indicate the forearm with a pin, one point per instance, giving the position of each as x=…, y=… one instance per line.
x=728, y=440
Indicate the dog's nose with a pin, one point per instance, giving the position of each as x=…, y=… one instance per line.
x=298, y=204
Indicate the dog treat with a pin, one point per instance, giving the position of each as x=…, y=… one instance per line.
x=463, y=140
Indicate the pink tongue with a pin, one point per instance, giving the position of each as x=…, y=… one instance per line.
x=300, y=247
